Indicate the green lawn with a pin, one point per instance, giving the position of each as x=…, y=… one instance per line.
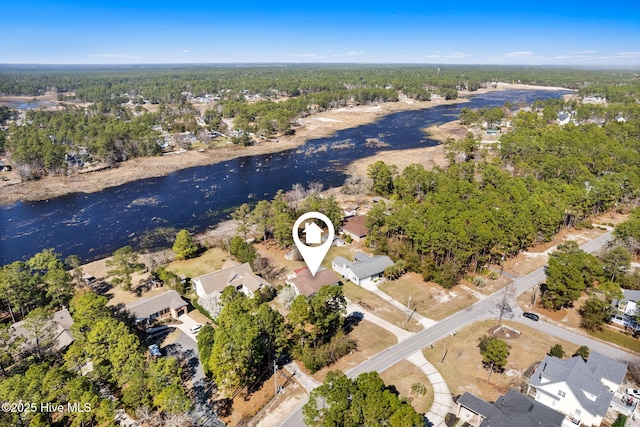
x=618, y=338
x=208, y=262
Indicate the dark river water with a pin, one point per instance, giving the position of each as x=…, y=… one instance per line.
x=94, y=225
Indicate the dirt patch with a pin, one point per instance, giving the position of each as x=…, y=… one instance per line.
x=428, y=298
x=504, y=332
x=244, y=407
x=378, y=306
x=279, y=408
x=403, y=375
x=462, y=367
x=429, y=157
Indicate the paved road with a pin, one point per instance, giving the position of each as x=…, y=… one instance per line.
x=486, y=308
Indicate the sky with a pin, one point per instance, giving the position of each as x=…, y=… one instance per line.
x=543, y=32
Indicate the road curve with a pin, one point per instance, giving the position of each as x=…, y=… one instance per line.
x=478, y=311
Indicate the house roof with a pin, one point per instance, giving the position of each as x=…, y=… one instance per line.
x=630, y=295
x=145, y=307
x=516, y=406
x=308, y=284
x=356, y=225
x=235, y=275
x=475, y=404
x=583, y=378
x=364, y=265
x=604, y=367
x=62, y=322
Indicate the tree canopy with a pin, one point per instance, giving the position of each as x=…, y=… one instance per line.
x=365, y=401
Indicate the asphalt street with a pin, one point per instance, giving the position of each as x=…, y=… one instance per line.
x=486, y=308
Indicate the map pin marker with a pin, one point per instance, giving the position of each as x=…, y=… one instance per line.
x=313, y=255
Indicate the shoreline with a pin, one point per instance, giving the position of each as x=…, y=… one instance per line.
x=318, y=125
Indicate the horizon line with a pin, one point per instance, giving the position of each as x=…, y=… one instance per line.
x=261, y=63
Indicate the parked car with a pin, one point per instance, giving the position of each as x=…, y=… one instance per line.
x=531, y=316
x=195, y=329
x=633, y=392
x=155, y=350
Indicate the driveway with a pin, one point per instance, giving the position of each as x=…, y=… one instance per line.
x=186, y=348
x=187, y=323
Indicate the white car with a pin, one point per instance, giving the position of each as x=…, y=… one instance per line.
x=195, y=329
x=633, y=392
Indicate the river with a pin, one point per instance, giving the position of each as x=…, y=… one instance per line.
x=94, y=225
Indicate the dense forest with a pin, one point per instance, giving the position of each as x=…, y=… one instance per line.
x=494, y=201
x=260, y=100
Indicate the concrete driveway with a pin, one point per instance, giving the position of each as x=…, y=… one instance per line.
x=186, y=325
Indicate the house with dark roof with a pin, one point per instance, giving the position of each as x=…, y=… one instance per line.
x=306, y=284
x=581, y=390
x=502, y=413
x=161, y=306
x=355, y=227
x=364, y=269
x=240, y=276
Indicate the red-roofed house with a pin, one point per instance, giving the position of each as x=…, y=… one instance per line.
x=355, y=227
x=307, y=285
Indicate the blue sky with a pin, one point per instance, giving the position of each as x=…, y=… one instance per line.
x=445, y=32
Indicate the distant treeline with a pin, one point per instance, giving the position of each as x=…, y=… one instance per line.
x=261, y=100
x=157, y=83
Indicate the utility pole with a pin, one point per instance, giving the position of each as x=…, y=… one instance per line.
x=275, y=377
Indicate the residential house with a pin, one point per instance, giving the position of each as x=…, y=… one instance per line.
x=240, y=276
x=306, y=284
x=625, y=310
x=148, y=309
x=364, y=269
x=351, y=210
x=581, y=390
x=59, y=324
x=502, y=413
x=355, y=227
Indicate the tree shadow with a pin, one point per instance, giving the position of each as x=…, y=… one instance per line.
x=352, y=320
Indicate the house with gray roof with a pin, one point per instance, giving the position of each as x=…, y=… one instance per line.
x=240, y=276
x=161, y=306
x=581, y=390
x=364, y=269
x=56, y=332
x=502, y=413
x=625, y=309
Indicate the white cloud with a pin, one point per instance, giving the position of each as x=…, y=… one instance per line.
x=123, y=56
x=519, y=53
x=304, y=55
x=349, y=53
x=452, y=55
x=186, y=51
x=583, y=52
x=627, y=54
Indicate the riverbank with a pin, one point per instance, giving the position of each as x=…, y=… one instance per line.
x=315, y=126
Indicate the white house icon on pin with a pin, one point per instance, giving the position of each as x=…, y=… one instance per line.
x=313, y=233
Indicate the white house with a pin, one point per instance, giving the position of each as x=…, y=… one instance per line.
x=626, y=309
x=364, y=269
x=580, y=390
x=240, y=276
